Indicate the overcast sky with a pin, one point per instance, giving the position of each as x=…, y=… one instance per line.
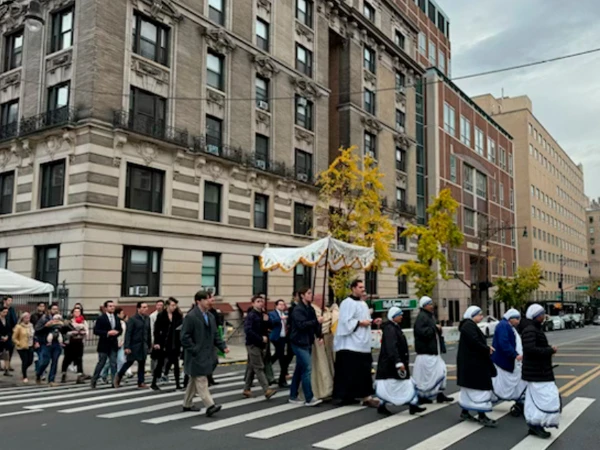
x=492, y=34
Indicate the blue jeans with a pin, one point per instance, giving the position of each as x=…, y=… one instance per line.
x=302, y=373
x=49, y=354
x=121, y=359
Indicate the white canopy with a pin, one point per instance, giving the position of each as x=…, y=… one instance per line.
x=15, y=284
x=341, y=255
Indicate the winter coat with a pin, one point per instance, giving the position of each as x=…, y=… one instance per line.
x=107, y=343
x=21, y=335
x=394, y=351
x=137, y=337
x=426, y=334
x=255, y=328
x=505, y=344
x=304, y=326
x=166, y=334
x=199, y=340
x=473, y=363
x=523, y=324
x=537, y=354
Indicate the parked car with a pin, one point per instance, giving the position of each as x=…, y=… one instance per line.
x=488, y=325
x=568, y=320
x=596, y=320
x=558, y=323
x=548, y=324
x=578, y=320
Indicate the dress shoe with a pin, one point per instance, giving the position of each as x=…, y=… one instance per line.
x=213, y=410
x=415, y=409
x=192, y=408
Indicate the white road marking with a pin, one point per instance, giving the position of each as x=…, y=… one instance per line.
x=246, y=417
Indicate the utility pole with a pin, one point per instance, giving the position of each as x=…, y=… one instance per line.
x=560, y=280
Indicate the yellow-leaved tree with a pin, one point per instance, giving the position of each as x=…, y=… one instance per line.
x=350, y=207
x=515, y=292
x=441, y=233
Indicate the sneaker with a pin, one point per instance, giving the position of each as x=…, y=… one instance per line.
x=295, y=401
x=25, y=380
x=314, y=402
x=54, y=384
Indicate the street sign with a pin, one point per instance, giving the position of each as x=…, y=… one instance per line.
x=582, y=288
x=384, y=304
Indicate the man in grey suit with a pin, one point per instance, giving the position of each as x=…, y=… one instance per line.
x=137, y=345
x=199, y=337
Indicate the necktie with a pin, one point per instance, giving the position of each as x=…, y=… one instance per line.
x=111, y=318
x=206, y=318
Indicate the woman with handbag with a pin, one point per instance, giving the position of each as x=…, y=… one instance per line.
x=392, y=381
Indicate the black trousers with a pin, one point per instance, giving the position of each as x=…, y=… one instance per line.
x=141, y=369
x=166, y=359
x=282, y=357
x=73, y=354
x=26, y=356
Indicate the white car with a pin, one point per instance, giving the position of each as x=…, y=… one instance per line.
x=488, y=325
x=558, y=323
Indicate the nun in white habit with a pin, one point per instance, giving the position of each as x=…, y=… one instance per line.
x=474, y=369
x=429, y=372
x=508, y=357
x=392, y=382
x=542, y=398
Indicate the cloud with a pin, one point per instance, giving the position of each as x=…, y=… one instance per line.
x=565, y=95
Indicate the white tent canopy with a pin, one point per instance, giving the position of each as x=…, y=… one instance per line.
x=15, y=284
x=338, y=254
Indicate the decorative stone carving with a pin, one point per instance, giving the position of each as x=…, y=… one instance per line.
x=199, y=165
x=148, y=152
x=12, y=16
x=370, y=77
x=12, y=79
x=5, y=157
x=265, y=66
x=219, y=40
x=264, y=4
x=143, y=68
x=306, y=88
x=216, y=98
x=303, y=30
x=263, y=118
x=303, y=194
x=261, y=183
x=179, y=156
x=402, y=141
x=23, y=151
x=305, y=136
x=380, y=51
x=62, y=60
x=372, y=125
x=158, y=7
x=214, y=170
x=400, y=177
x=401, y=96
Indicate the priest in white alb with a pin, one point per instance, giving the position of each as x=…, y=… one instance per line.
x=352, y=344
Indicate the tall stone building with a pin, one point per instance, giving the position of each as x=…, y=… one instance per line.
x=593, y=235
x=550, y=198
x=155, y=146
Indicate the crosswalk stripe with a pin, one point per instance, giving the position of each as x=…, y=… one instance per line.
x=34, y=394
x=152, y=408
x=56, y=397
x=371, y=429
x=34, y=388
x=570, y=413
x=134, y=400
x=246, y=417
x=20, y=413
x=288, y=427
x=452, y=435
x=186, y=415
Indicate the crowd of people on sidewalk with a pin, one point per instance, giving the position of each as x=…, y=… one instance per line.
x=331, y=344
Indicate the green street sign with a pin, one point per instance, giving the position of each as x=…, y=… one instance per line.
x=384, y=304
x=582, y=288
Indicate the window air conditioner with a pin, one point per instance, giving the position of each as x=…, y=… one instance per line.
x=261, y=164
x=303, y=177
x=263, y=105
x=302, y=101
x=213, y=149
x=138, y=291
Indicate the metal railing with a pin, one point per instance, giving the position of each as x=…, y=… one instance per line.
x=202, y=144
x=9, y=131
x=151, y=127
x=405, y=208
x=49, y=119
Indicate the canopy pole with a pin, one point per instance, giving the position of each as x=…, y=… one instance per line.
x=325, y=272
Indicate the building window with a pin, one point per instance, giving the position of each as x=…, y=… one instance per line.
x=62, y=30
x=9, y=124
x=465, y=131
x=144, y=189
x=422, y=44
x=491, y=150
x=303, y=219
x=47, y=264
x=511, y=199
x=502, y=160
x=259, y=278
x=261, y=153
x=4, y=259
x=262, y=35
x=469, y=218
x=304, y=60
x=400, y=120
x=371, y=282
x=261, y=211
x=53, y=184
x=399, y=39
x=400, y=159
x=453, y=168
x=400, y=198
x=402, y=285
x=431, y=12
x=370, y=59
x=302, y=277
x=214, y=70
x=370, y=101
x=150, y=39
x=13, y=50
x=481, y=181
x=370, y=145
x=216, y=11
x=501, y=194
x=441, y=23
x=141, y=272
x=442, y=61
x=304, y=112
x=214, y=134
x=212, y=201
x=510, y=163
x=146, y=112
x=468, y=178
x=369, y=12
x=211, y=270
x=449, y=119
x=304, y=10
x=7, y=183
x=58, y=96
x=479, y=141
x=400, y=81
x=262, y=93
x=432, y=53
x=401, y=240
x=303, y=166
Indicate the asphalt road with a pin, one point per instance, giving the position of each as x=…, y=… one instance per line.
x=73, y=417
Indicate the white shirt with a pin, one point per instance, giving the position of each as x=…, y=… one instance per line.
x=283, y=323
x=153, y=317
x=111, y=319
x=349, y=335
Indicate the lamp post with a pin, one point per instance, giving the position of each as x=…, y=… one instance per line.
x=561, y=284
x=34, y=19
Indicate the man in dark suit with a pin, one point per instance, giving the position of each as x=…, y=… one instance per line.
x=279, y=338
x=107, y=328
x=199, y=337
x=137, y=344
